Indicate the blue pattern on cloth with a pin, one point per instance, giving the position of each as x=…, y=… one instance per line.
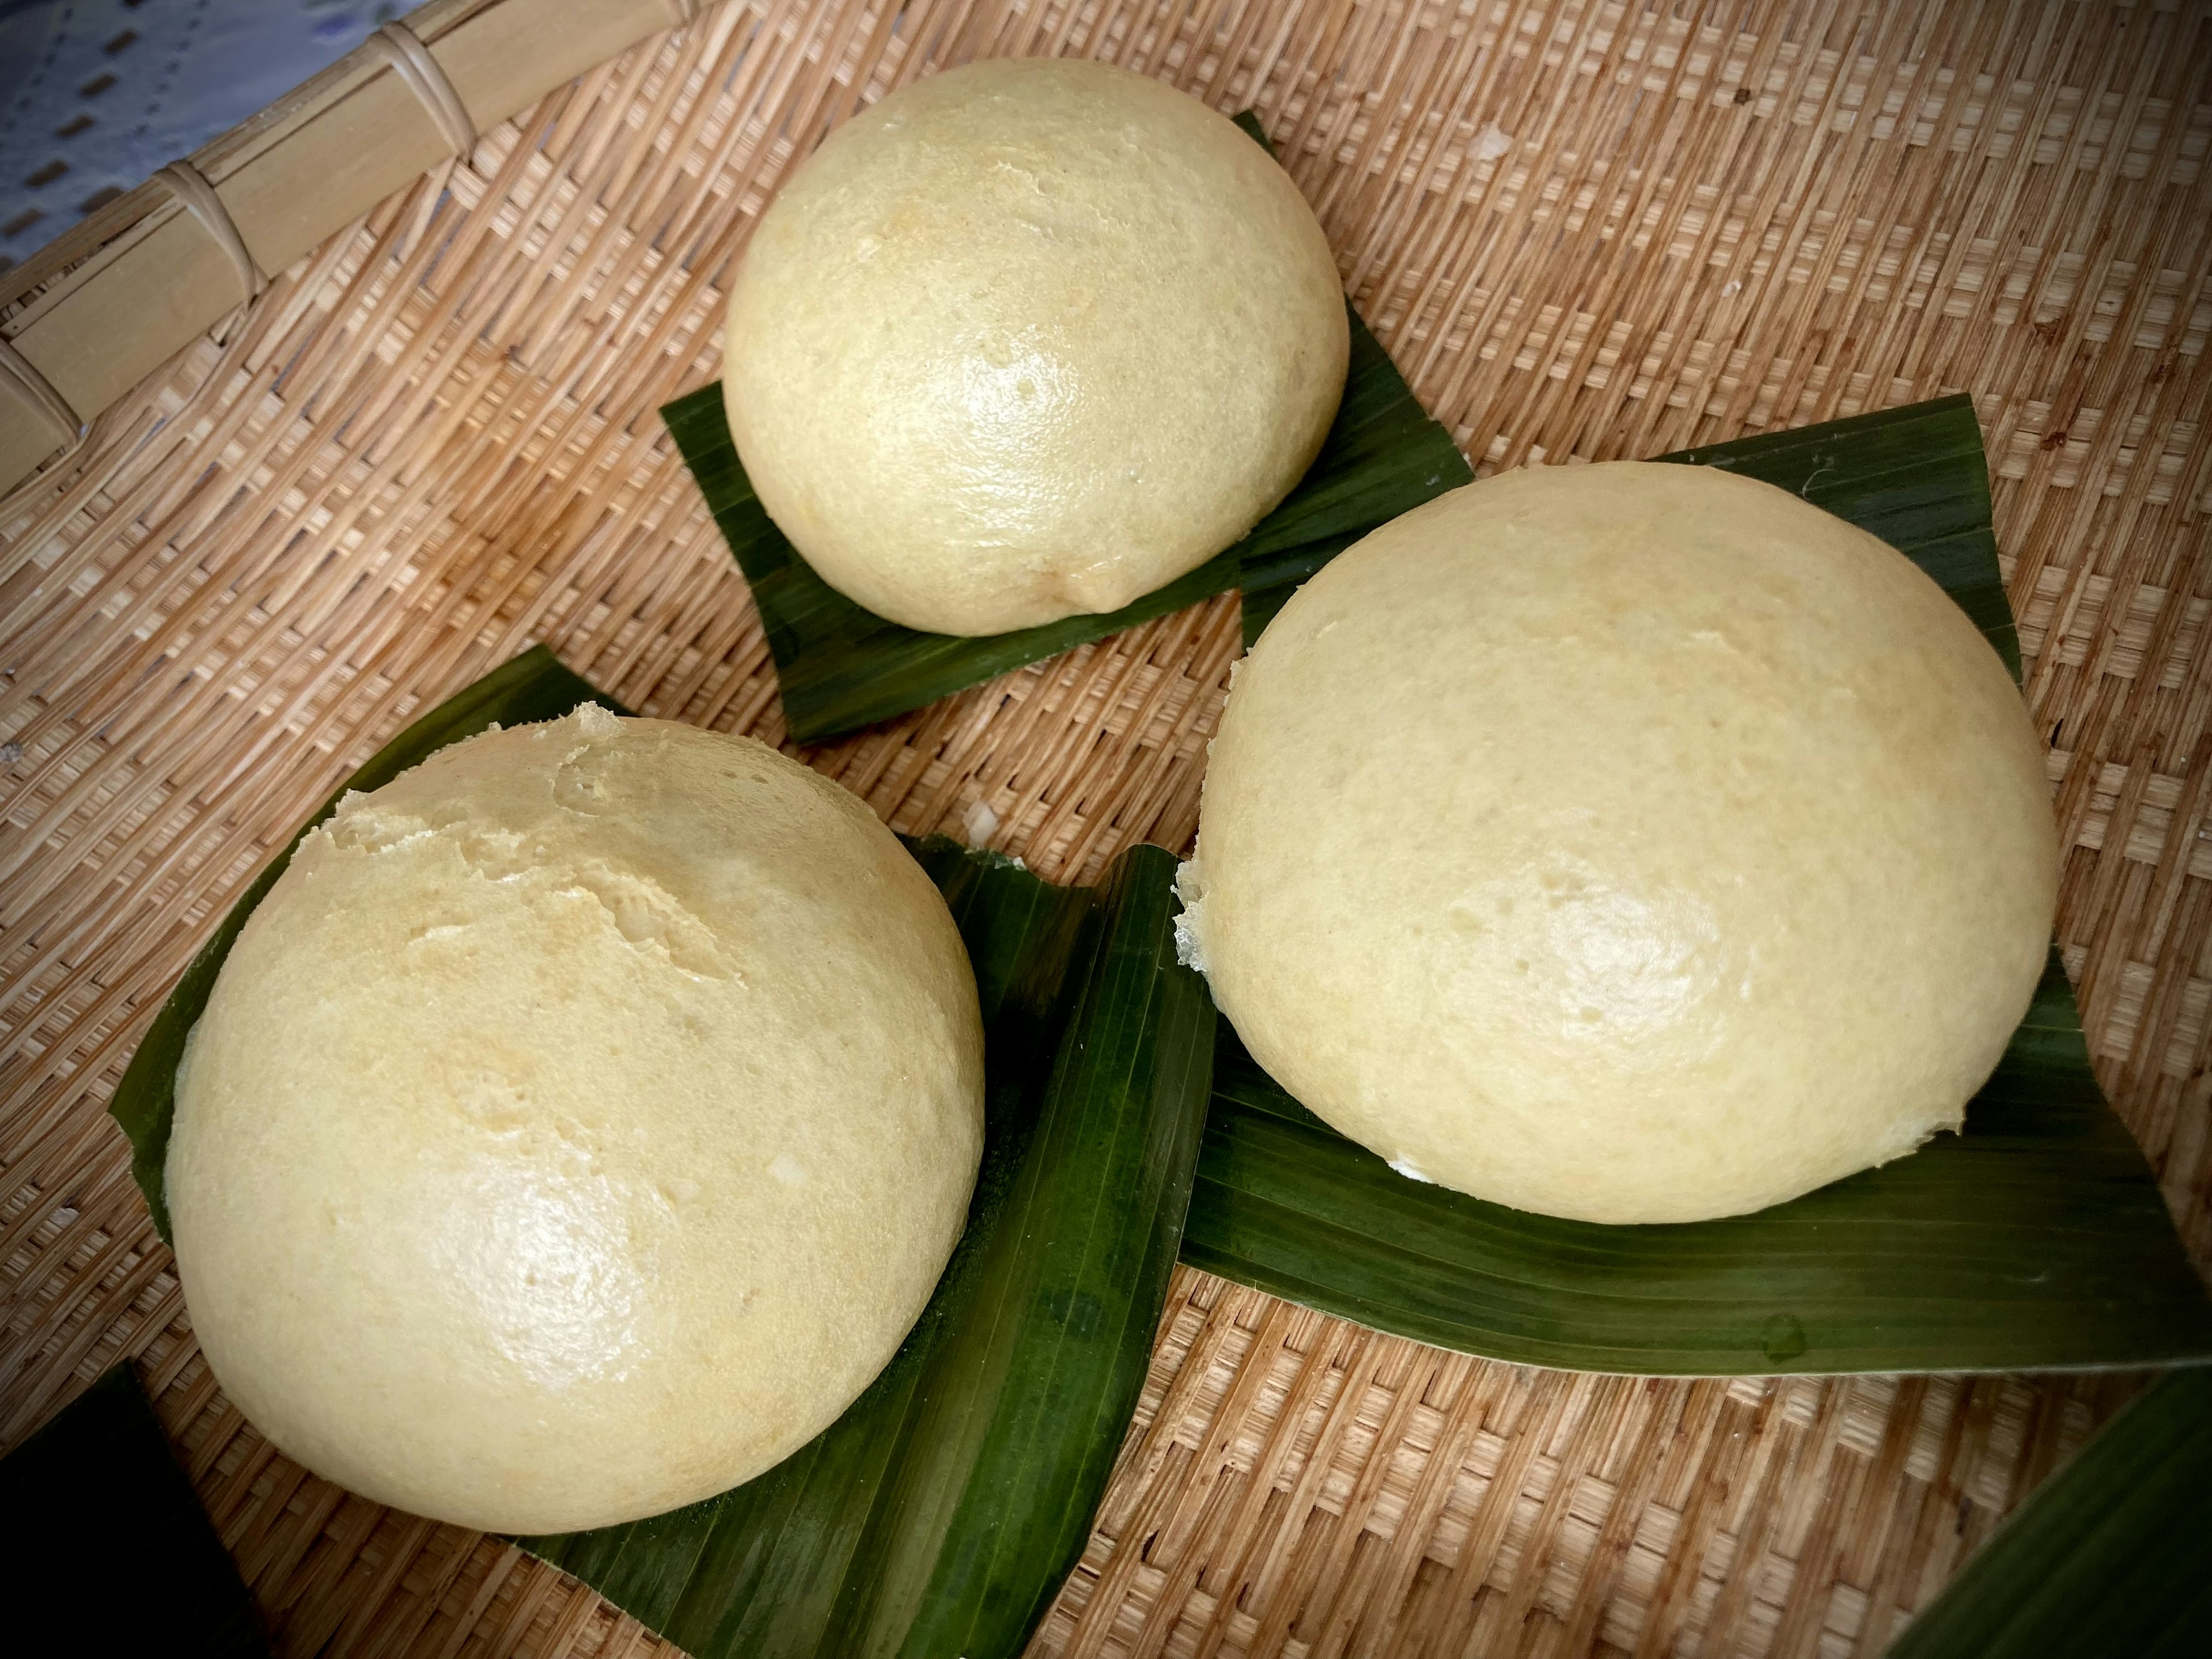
x=96, y=94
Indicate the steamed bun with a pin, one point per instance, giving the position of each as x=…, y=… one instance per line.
x=577, y=1127
x=1631, y=842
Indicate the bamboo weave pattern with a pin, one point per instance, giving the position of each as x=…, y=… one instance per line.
x=1584, y=230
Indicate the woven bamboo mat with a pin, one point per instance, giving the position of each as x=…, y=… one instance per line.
x=1584, y=230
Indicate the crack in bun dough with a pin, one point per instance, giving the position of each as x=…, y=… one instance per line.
x=1631, y=842
x=1030, y=338
x=577, y=1127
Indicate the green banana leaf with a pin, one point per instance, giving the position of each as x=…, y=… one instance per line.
x=1384, y=457
x=941, y=1513
x=97, y=1482
x=2112, y=1556
x=839, y=666
x=2035, y=1240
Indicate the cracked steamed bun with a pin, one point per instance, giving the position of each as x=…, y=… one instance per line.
x=1631, y=842
x=1030, y=338
x=577, y=1127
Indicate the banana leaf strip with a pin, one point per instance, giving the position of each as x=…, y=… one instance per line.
x=941, y=1513
x=2111, y=1555
x=2036, y=1240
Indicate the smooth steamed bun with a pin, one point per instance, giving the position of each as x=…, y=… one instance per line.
x=1632, y=843
x=1028, y=338
x=577, y=1127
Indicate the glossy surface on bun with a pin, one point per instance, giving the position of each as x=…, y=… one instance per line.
x=1028, y=338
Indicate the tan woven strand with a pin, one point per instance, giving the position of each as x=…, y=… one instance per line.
x=1586, y=231
x=199, y=198
x=682, y=13
x=410, y=59
x=34, y=389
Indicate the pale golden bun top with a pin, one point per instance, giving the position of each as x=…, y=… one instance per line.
x=1633, y=842
x=577, y=1127
x=1027, y=338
